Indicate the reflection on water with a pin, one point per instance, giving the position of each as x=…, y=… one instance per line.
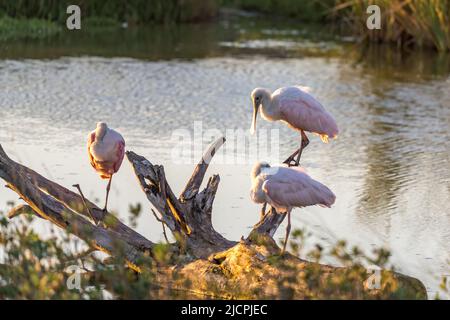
x=389, y=167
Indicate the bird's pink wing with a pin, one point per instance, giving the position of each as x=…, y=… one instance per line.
x=103, y=168
x=120, y=152
x=91, y=139
x=296, y=189
x=303, y=111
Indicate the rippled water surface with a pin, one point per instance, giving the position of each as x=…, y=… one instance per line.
x=389, y=167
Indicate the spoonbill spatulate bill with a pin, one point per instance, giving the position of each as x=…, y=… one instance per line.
x=106, y=149
x=286, y=187
x=298, y=109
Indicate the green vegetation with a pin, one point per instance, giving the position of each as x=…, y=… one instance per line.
x=405, y=23
x=33, y=267
x=44, y=18
x=132, y=11
x=21, y=28
x=421, y=23
x=306, y=11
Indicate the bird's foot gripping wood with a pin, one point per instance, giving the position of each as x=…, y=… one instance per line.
x=291, y=161
x=303, y=144
x=294, y=159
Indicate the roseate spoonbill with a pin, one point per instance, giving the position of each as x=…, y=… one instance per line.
x=287, y=187
x=298, y=109
x=106, y=149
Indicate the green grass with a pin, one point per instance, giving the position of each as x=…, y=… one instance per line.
x=39, y=19
x=304, y=10
x=132, y=11
x=404, y=22
x=27, y=28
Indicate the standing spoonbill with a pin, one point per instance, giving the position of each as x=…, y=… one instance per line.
x=106, y=149
x=298, y=109
x=287, y=187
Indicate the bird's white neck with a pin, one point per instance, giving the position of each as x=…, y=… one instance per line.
x=257, y=169
x=100, y=132
x=269, y=109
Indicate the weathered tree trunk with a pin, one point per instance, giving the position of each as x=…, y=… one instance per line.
x=214, y=265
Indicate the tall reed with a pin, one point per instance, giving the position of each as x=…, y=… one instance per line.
x=136, y=11
x=404, y=22
x=304, y=10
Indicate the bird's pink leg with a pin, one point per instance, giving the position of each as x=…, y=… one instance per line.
x=288, y=231
x=303, y=144
x=108, y=187
x=291, y=158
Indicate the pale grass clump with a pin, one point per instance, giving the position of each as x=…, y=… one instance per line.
x=404, y=22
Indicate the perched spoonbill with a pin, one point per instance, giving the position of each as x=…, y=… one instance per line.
x=298, y=109
x=287, y=187
x=106, y=149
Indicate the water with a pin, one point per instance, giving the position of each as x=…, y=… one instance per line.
x=389, y=167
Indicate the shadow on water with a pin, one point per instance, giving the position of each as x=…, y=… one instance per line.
x=405, y=118
x=386, y=169
x=386, y=62
x=152, y=43
x=231, y=35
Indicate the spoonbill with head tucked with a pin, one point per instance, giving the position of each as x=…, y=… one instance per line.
x=298, y=109
x=287, y=187
x=106, y=149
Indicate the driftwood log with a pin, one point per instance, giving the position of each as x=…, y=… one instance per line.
x=215, y=266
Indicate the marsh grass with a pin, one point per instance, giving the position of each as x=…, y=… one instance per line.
x=132, y=11
x=406, y=23
x=22, y=19
x=422, y=23
x=305, y=11
x=26, y=28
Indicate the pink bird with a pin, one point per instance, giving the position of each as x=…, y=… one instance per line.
x=298, y=109
x=287, y=187
x=106, y=149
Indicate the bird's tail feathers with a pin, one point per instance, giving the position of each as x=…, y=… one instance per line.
x=324, y=138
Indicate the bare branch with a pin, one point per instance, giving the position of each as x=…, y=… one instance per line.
x=202, y=239
x=49, y=208
x=194, y=183
x=149, y=177
x=84, y=202
x=71, y=200
x=97, y=237
x=20, y=210
x=163, y=224
x=269, y=223
x=209, y=193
